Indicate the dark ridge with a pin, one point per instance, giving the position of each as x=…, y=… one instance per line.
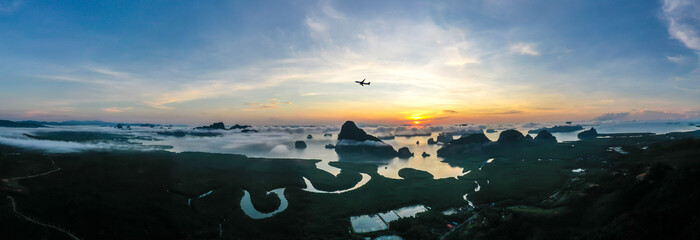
x=7, y=123
x=545, y=137
x=404, y=153
x=479, y=138
x=218, y=125
x=588, y=134
x=239, y=127
x=556, y=129
x=350, y=131
x=510, y=136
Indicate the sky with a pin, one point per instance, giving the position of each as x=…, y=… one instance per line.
x=295, y=62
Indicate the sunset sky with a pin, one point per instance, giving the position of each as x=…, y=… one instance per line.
x=295, y=62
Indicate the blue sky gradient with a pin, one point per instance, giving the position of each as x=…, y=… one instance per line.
x=294, y=62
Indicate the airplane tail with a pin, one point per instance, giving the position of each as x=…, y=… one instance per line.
x=368, y=83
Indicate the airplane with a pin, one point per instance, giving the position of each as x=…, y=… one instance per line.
x=363, y=82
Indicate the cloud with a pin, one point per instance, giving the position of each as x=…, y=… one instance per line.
x=65, y=78
x=679, y=59
x=195, y=91
x=646, y=115
x=329, y=11
x=417, y=63
x=395, y=50
x=16, y=137
x=270, y=104
x=509, y=112
x=259, y=106
x=280, y=149
x=657, y=115
x=34, y=113
x=223, y=83
x=693, y=114
x=122, y=85
x=108, y=72
x=524, y=49
x=117, y=109
x=612, y=116
x=683, y=17
x=439, y=118
x=389, y=130
x=10, y=5
x=315, y=25
x=50, y=146
x=531, y=125
x=449, y=111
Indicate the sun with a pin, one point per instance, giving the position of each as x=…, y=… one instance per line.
x=417, y=118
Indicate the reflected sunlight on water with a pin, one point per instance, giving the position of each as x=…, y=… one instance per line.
x=281, y=145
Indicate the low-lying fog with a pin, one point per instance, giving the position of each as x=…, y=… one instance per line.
x=278, y=141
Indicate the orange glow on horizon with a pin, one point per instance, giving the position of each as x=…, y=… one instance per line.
x=418, y=116
x=324, y=113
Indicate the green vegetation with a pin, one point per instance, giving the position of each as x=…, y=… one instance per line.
x=7, y=123
x=114, y=195
x=645, y=194
x=411, y=174
x=525, y=192
x=561, y=128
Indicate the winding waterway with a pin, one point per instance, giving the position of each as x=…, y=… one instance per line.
x=310, y=187
x=249, y=209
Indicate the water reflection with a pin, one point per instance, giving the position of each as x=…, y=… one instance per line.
x=310, y=187
x=281, y=145
x=275, y=145
x=432, y=164
x=367, y=223
x=451, y=211
x=389, y=237
x=380, y=221
x=617, y=149
x=435, y=167
x=249, y=209
x=466, y=199
x=410, y=211
x=206, y=193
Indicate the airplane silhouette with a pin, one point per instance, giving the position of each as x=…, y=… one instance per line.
x=363, y=82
